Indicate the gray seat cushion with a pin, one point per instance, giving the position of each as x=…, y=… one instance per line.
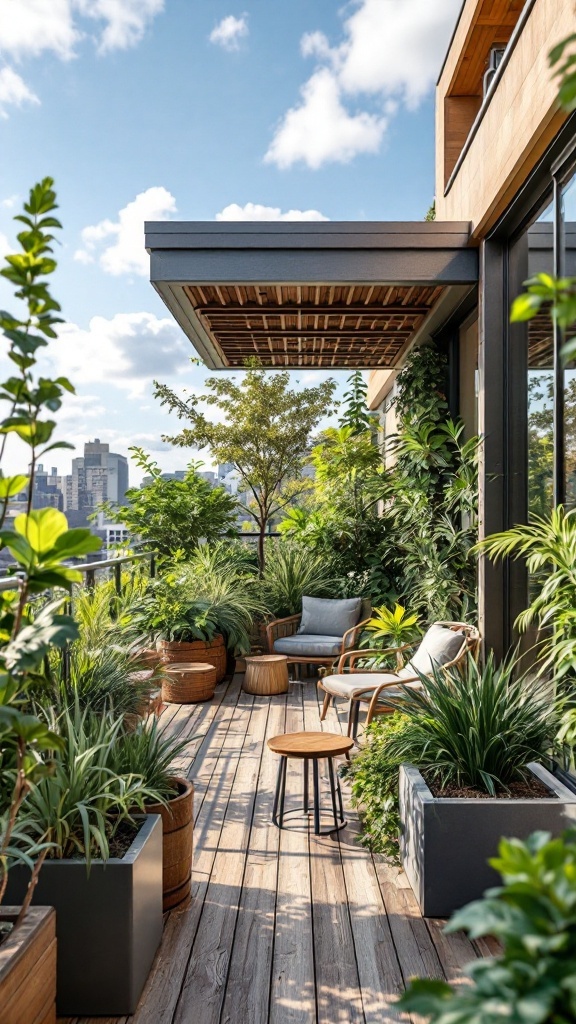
x=323, y=616
x=309, y=645
x=439, y=645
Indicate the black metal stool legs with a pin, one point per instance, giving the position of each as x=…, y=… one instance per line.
x=335, y=795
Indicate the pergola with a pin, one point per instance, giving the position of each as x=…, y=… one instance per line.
x=327, y=295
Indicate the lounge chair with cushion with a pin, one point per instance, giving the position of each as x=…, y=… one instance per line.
x=443, y=645
x=323, y=632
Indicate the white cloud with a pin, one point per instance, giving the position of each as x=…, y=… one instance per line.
x=125, y=252
x=390, y=55
x=127, y=351
x=229, y=32
x=13, y=91
x=255, y=211
x=322, y=129
x=31, y=27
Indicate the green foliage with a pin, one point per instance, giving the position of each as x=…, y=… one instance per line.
x=98, y=680
x=149, y=752
x=477, y=726
x=548, y=545
x=533, y=914
x=191, y=602
x=373, y=777
x=292, y=571
x=80, y=805
x=40, y=542
x=172, y=516
x=356, y=415
x=434, y=512
x=263, y=428
x=391, y=627
x=341, y=520
x=431, y=212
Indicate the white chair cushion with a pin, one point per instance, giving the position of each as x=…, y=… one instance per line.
x=354, y=683
x=439, y=645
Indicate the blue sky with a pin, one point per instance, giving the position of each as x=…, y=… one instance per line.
x=193, y=109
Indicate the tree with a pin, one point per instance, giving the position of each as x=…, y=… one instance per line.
x=174, y=515
x=265, y=434
x=356, y=415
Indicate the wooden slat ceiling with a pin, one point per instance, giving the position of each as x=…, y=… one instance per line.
x=493, y=25
x=312, y=325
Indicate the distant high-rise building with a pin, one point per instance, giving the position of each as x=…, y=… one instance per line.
x=97, y=476
x=47, y=491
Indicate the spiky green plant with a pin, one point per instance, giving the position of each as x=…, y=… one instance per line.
x=149, y=752
x=100, y=680
x=477, y=726
x=292, y=571
x=80, y=805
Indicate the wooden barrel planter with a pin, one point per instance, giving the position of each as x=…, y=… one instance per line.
x=188, y=683
x=147, y=658
x=178, y=826
x=211, y=651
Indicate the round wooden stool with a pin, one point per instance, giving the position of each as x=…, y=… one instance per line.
x=310, y=746
x=188, y=682
x=266, y=674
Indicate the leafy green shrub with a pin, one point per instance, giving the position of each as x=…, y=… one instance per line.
x=291, y=571
x=534, y=916
x=373, y=776
x=97, y=680
x=172, y=516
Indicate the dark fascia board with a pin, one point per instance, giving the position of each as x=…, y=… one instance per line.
x=306, y=234
x=331, y=252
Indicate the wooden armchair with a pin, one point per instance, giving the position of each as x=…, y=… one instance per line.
x=334, y=646
x=370, y=685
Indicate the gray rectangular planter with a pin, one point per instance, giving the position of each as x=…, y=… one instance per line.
x=445, y=842
x=108, y=923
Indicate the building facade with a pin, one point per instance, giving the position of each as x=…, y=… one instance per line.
x=98, y=476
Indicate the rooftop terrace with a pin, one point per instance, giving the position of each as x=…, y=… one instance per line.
x=283, y=927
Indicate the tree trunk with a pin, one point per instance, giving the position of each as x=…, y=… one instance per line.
x=261, y=537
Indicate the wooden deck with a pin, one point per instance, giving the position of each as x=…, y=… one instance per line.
x=283, y=927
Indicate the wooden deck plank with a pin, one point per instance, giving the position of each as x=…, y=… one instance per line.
x=204, y=986
x=292, y=992
x=248, y=984
x=337, y=981
x=160, y=996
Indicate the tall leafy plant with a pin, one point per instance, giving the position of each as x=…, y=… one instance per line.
x=32, y=620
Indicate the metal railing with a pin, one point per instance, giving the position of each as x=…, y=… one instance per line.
x=89, y=569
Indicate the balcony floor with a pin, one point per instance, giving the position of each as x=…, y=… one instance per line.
x=283, y=927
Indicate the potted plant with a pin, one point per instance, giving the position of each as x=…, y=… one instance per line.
x=533, y=916
x=461, y=763
x=474, y=772
x=102, y=869
x=31, y=621
x=149, y=752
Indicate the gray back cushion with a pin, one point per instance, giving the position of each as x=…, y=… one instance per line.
x=324, y=617
x=439, y=646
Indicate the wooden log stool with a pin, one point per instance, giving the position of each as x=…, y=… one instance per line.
x=310, y=746
x=188, y=682
x=266, y=674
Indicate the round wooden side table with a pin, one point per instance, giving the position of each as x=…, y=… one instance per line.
x=188, y=682
x=266, y=674
x=310, y=746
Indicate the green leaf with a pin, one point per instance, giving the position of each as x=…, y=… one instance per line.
x=11, y=485
x=41, y=528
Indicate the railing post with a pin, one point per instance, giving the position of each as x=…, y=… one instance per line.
x=118, y=578
x=90, y=579
x=152, y=565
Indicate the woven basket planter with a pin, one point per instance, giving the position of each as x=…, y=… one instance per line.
x=211, y=651
x=178, y=826
x=188, y=683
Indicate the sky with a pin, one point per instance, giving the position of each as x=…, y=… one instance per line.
x=198, y=110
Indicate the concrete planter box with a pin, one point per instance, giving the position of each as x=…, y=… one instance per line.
x=445, y=842
x=108, y=923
